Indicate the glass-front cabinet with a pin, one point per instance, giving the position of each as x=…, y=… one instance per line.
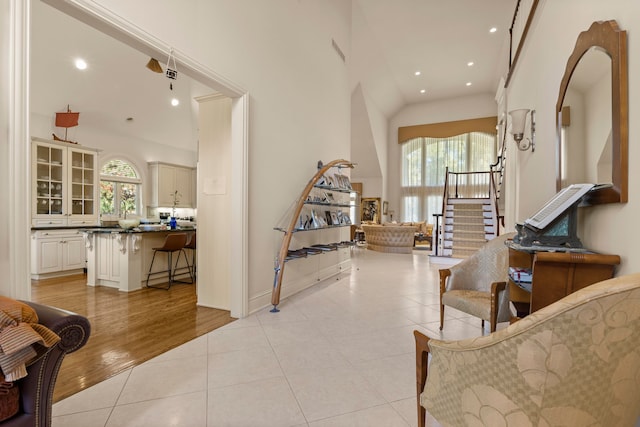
x=81, y=177
x=64, y=191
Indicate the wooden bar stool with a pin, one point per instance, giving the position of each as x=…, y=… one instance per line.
x=174, y=242
x=192, y=245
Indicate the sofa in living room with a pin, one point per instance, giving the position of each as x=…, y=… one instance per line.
x=35, y=340
x=394, y=238
x=424, y=233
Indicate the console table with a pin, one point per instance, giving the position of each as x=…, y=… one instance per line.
x=554, y=275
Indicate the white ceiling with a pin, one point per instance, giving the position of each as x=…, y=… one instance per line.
x=391, y=40
x=436, y=37
x=115, y=86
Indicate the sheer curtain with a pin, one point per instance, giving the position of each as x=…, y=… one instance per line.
x=424, y=161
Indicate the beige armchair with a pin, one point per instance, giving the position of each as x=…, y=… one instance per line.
x=478, y=285
x=575, y=363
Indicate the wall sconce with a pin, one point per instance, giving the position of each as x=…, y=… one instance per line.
x=518, y=121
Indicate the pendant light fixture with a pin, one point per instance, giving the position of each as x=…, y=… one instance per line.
x=154, y=66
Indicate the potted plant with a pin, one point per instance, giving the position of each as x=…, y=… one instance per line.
x=127, y=204
x=176, y=200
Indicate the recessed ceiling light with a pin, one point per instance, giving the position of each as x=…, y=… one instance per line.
x=493, y=29
x=81, y=64
x=468, y=83
x=175, y=102
x=470, y=64
x=423, y=90
x=417, y=73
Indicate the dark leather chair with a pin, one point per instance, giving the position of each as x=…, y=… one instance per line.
x=36, y=389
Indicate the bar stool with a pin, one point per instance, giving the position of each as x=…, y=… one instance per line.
x=174, y=242
x=192, y=245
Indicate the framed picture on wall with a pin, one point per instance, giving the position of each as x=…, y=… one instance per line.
x=370, y=209
x=385, y=208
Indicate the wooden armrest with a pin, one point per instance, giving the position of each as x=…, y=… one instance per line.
x=422, y=359
x=496, y=288
x=444, y=273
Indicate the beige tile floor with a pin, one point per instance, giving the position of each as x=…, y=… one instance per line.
x=338, y=354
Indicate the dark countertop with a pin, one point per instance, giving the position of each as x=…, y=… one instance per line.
x=135, y=230
x=110, y=229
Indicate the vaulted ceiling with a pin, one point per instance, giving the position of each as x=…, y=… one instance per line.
x=391, y=40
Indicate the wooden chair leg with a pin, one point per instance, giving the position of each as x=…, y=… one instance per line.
x=444, y=273
x=496, y=289
x=422, y=358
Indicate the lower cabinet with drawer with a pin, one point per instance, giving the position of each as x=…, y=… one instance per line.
x=550, y=276
x=57, y=252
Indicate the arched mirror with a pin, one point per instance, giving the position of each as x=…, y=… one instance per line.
x=592, y=115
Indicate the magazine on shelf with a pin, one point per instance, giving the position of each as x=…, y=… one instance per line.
x=523, y=277
x=520, y=274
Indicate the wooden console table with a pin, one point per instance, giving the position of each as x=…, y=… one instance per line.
x=554, y=275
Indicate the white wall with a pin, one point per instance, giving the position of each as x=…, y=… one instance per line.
x=368, y=145
x=281, y=52
x=535, y=84
x=214, y=201
x=429, y=112
x=372, y=104
x=379, y=131
x=5, y=31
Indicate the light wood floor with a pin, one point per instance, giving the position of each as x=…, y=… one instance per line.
x=126, y=328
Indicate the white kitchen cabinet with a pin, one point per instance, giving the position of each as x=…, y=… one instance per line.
x=108, y=265
x=64, y=184
x=169, y=181
x=57, y=253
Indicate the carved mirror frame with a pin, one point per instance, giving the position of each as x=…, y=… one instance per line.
x=607, y=36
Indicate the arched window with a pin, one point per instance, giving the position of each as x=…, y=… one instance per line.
x=119, y=189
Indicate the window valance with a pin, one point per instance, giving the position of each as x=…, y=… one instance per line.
x=448, y=129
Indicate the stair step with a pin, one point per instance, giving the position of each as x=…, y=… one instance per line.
x=468, y=244
x=479, y=231
x=467, y=225
x=478, y=225
x=467, y=201
x=468, y=234
x=472, y=218
x=463, y=253
x=467, y=208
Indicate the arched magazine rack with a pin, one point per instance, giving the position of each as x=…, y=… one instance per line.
x=294, y=223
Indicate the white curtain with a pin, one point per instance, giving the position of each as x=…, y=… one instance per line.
x=424, y=161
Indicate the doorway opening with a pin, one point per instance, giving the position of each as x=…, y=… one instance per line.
x=112, y=25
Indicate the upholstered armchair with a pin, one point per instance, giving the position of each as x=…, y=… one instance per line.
x=575, y=363
x=478, y=284
x=36, y=389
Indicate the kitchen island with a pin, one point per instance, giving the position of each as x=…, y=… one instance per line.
x=120, y=258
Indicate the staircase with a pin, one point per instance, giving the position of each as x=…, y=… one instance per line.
x=467, y=225
x=470, y=215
